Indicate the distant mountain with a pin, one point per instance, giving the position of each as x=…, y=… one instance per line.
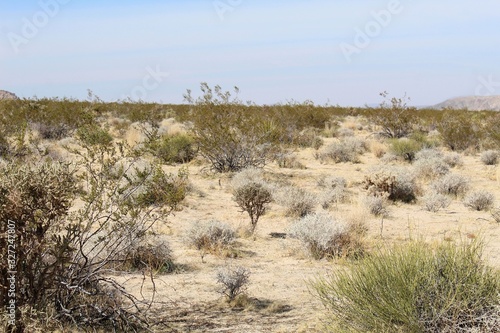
x=473, y=103
x=7, y=95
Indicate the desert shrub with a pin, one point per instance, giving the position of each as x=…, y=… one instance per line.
x=451, y=184
x=253, y=198
x=288, y=160
x=159, y=188
x=433, y=201
x=93, y=135
x=459, y=130
x=4, y=145
x=405, y=148
x=395, y=118
x=430, y=164
x=334, y=190
x=414, y=288
x=233, y=280
x=376, y=205
x=229, y=136
x=347, y=150
x=453, y=159
x=397, y=184
x=210, y=237
x=479, y=200
x=324, y=236
x=308, y=138
x=246, y=176
x=490, y=157
x=179, y=148
x=151, y=253
x=344, y=132
x=297, y=202
x=34, y=201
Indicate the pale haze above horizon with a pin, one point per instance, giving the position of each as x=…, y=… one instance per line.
x=329, y=52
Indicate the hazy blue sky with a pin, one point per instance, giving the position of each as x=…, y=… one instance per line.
x=339, y=51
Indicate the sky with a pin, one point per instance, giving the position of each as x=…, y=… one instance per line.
x=337, y=52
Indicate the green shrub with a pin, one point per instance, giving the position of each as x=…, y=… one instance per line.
x=414, y=288
x=460, y=130
x=94, y=135
x=405, y=148
x=178, y=148
x=395, y=118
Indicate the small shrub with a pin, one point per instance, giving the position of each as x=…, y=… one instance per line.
x=451, y=184
x=397, y=184
x=325, y=236
x=51, y=131
x=376, y=205
x=93, y=135
x=332, y=182
x=395, y=118
x=479, y=200
x=253, y=198
x=414, y=288
x=150, y=253
x=490, y=157
x=405, y=148
x=453, y=159
x=347, y=150
x=429, y=163
x=289, y=161
x=210, y=237
x=234, y=281
x=178, y=148
x=434, y=201
x=246, y=176
x=297, y=201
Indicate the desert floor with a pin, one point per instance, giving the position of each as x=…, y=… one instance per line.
x=280, y=299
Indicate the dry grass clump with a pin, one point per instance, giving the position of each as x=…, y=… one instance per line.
x=378, y=149
x=297, y=202
x=324, y=236
x=434, y=201
x=211, y=237
x=490, y=157
x=451, y=184
x=479, y=200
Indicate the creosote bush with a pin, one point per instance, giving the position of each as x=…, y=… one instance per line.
x=395, y=117
x=414, y=288
x=233, y=279
x=324, y=236
x=179, y=148
x=479, y=200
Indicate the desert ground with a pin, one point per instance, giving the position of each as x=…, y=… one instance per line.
x=281, y=268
